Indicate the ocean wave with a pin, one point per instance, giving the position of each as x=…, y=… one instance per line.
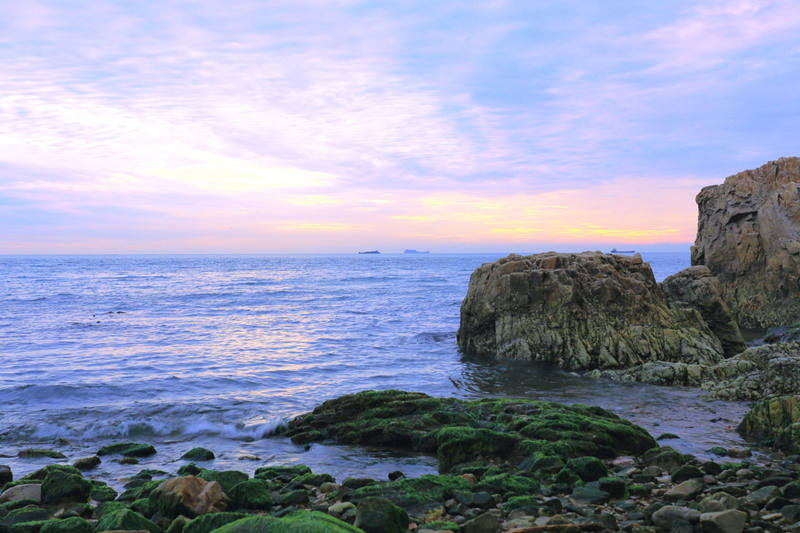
x=171, y=425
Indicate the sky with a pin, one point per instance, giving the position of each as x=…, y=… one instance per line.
x=339, y=125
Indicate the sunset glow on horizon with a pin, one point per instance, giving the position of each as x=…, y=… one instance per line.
x=313, y=126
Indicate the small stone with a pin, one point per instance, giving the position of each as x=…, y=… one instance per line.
x=685, y=491
x=744, y=473
x=328, y=487
x=339, y=508
x=739, y=452
x=686, y=472
x=485, y=523
x=590, y=495
x=86, y=463
x=394, y=476
x=791, y=513
x=720, y=501
x=5, y=475
x=730, y=521
x=664, y=517
x=31, y=491
x=762, y=495
x=249, y=458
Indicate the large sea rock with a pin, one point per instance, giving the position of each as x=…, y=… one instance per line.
x=580, y=311
x=748, y=235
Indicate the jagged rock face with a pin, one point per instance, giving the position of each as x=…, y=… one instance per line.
x=579, y=311
x=776, y=421
x=696, y=287
x=747, y=235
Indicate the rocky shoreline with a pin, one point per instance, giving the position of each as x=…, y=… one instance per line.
x=517, y=466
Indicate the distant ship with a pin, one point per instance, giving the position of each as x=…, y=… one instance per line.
x=370, y=252
x=615, y=251
x=415, y=252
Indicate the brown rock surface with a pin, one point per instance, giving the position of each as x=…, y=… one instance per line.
x=579, y=311
x=188, y=495
x=747, y=235
x=696, y=287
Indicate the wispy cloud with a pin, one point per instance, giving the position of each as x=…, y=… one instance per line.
x=372, y=121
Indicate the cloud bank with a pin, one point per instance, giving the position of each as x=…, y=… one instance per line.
x=333, y=126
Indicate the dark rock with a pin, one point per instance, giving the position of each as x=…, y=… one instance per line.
x=128, y=449
x=33, y=453
x=86, y=463
x=293, y=497
x=126, y=519
x=198, y=454
x=189, y=470
x=484, y=523
x=686, y=472
x=251, y=494
x=379, y=515
x=394, y=476
x=211, y=521
x=590, y=495
x=614, y=486
x=730, y=521
x=73, y=524
x=6, y=475
x=59, y=486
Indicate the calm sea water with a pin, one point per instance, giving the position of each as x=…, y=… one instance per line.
x=217, y=351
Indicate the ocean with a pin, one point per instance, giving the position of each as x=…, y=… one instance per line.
x=220, y=350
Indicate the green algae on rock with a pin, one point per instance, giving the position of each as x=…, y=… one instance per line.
x=198, y=454
x=460, y=431
x=128, y=449
x=30, y=453
x=775, y=421
x=296, y=522
x=126, y=519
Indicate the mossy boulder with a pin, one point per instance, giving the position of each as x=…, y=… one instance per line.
x=198, y=454
x=73, y=524
x=508, y=485
x=588, y=468
x=35, y=453
x=281, y=473
x=250, y=494
x=24, y=514
x=458, y=431
x=126, y=519
x=101, y=492
x=128, y=449
x=379, y=515
x=226, y=478
x=211, y=521
x=413, y=494
x=296, y=522
x=59, y=486
x=775, y=421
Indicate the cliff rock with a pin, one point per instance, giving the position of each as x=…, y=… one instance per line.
x=696, y=287
x=747, y=235
x=579, y=311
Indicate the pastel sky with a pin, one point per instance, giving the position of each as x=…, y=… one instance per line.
x=339, y=125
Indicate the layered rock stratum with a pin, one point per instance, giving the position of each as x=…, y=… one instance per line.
x=748, y=235
x=580, y=311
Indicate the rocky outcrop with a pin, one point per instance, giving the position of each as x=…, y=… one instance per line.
x=774, y=421
x=580, y=311
x=757, y=373
x=748, y=235
x=697, y=288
